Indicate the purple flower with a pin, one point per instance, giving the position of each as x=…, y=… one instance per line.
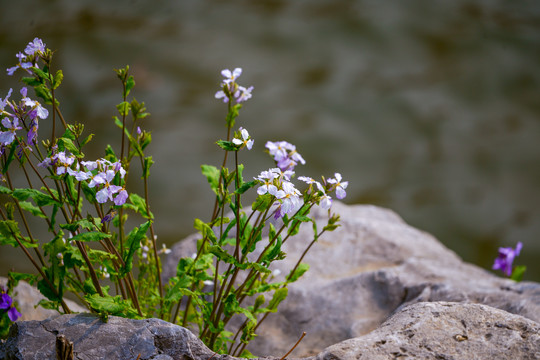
x=121, y=198
x=339, y=186
x=506, y=257
x=4, y=102
x=243, y=94
x=285, y=154
x=34, y=46
x=267, y=180
x=230, y=89
x=31, y=137
x=230, y=76
x=13, y=314
x=108, y=217
x=245, y=140
x=5, y=301
x=7, y=137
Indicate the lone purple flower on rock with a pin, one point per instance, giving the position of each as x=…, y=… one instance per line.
x=6, y=303
x=506, y=257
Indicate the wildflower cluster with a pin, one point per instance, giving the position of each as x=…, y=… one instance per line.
x=277, y=182
x=71, y=194
x=30, y=57
x=24, y=114
x=87, y=202
x=100, y=174
x=230, y=90
x=7, y=306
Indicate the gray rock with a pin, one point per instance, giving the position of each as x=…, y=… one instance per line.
x=117, y=339
x=362, y=272
x=426, y=330
x=27, y=297
x=444, y=330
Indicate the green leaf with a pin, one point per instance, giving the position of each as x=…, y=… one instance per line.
x=130, y=83
x=44, y=74
x=15, y=277
x=67, y=144
x=274, y=252
x=300, y=270
x=123, y=108
x=332, y=223
x=9, y=229
x=262, y=202
x=5, y=190
x=227, y=145
x=31, y=208
x=138, y=204
x=87, y=140
x=10, y=156
x=39, y=197
x=212, y=175
x=133, y=243
x=111, y=305
x=91, y=236
x=205, y=230
x=148, y=162
x=517, y=273
x=279, y=296
x=232, y=115
x=245, y=187
x=43, y=92
x=57, y=80
x=31, y=81
x=83, y=223
x=175, y=293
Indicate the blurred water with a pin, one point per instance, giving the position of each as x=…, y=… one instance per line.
x=430, y=108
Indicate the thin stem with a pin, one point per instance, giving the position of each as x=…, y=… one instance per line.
x=51, y=286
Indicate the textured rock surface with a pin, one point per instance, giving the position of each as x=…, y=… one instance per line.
x=427, y=330
x=118, y=339
x=27, y=297
x=443, y=330
x=362, y=272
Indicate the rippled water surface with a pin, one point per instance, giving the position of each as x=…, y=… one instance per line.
x=430, y=108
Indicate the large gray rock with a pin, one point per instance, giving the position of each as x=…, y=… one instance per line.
x=362, y=272
x=93, y=339
x=444, y=331
x=427, y=330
